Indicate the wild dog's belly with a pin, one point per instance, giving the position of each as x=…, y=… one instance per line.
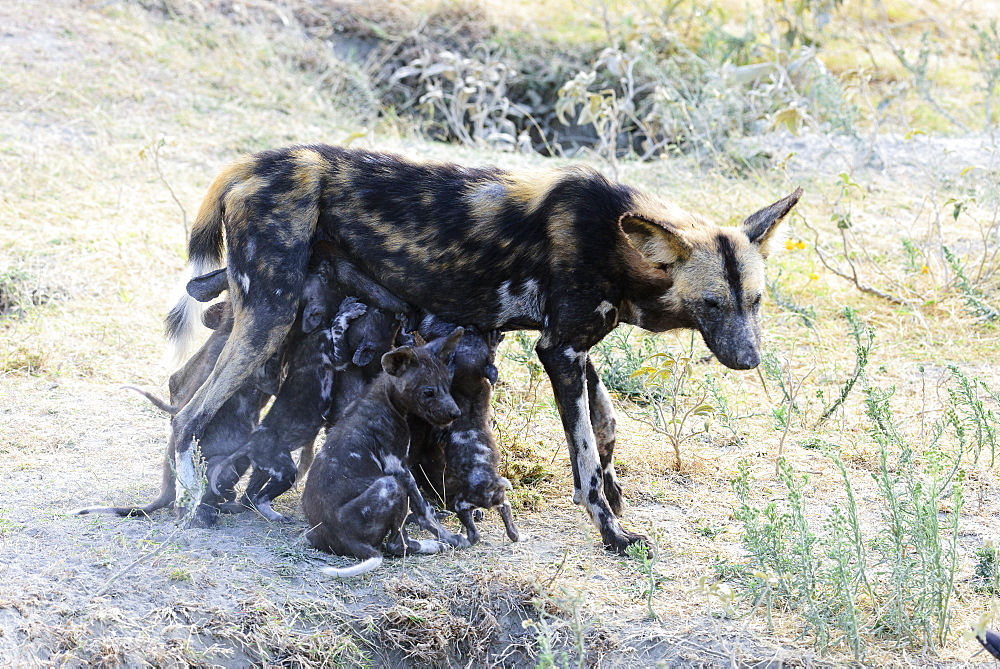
x=489, y=289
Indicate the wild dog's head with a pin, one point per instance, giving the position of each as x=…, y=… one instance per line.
x=423, y=380
x=712, y=277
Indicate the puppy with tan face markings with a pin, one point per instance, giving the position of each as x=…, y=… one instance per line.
x=359, y=487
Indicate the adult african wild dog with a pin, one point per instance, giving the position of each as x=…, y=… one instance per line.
x=565, y=251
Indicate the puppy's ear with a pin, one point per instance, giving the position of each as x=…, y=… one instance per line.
x=364, y=355
x=658, y=242
x=395, y=362
x=312, y=317
x=207, y=287
x=212, y=318
x=267, y=376
x=761, y=226
x=446, y=349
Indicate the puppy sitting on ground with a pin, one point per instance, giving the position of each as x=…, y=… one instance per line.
x=300, y=408
x=357, y=491
x=457, y=464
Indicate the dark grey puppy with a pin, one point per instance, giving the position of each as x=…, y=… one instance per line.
x=300, y=408
x=359, y=488
x=226, y=432
x=457, y=464
x=369, y=337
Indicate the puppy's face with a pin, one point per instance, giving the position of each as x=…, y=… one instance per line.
x=423, y=382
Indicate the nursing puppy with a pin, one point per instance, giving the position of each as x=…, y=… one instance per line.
x=457, y=464
x=359, y=488
x=299, y=411
x=230, y=427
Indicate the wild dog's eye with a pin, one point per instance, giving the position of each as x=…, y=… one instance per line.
x=428, y=392
x=755, y=302
x=712, y=303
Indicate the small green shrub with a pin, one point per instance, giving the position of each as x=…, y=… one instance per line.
x=987, y=573
x=864, y=340
x=894, y=579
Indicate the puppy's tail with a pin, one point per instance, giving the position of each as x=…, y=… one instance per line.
x=358, y=569
x=154, y=400
x=216, y=471
x=205, y=254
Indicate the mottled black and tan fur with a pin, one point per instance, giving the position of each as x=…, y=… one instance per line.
x=566, y=252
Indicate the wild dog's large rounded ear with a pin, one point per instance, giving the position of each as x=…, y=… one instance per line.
x=658, y=242
x=444, y=348
x=397, y=360
x=761, y=226
x=364, y=354
x=312, y=316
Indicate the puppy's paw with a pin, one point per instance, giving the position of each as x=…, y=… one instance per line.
x=355, y=311
x=351, y=308
x=264, y=509
x=430, y=546
x=456, y=540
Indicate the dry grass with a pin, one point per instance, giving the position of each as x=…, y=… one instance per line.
x=91, y=243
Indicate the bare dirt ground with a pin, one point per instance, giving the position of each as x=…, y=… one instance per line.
x=107, y=113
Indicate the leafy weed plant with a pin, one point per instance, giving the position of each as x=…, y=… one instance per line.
x=667, y=411
x=864, y=339
x=894, y=582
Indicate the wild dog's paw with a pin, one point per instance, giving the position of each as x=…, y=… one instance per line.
x=350, y=308
x=455, y=540
x=232, y=508
x=204, y=517
x=620, y=542
x=264, y=509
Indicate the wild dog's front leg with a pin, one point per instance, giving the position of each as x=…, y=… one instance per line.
x=567, y=370
x=602, y=417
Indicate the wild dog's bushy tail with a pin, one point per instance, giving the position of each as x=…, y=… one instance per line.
x=358, y=569
x=205, y=254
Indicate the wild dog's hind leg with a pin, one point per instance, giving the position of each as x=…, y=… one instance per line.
x=602, y=417
x=261, y=322
x=567, y=370
x=369, y=518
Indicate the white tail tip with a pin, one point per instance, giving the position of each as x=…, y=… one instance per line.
x=358, y=569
